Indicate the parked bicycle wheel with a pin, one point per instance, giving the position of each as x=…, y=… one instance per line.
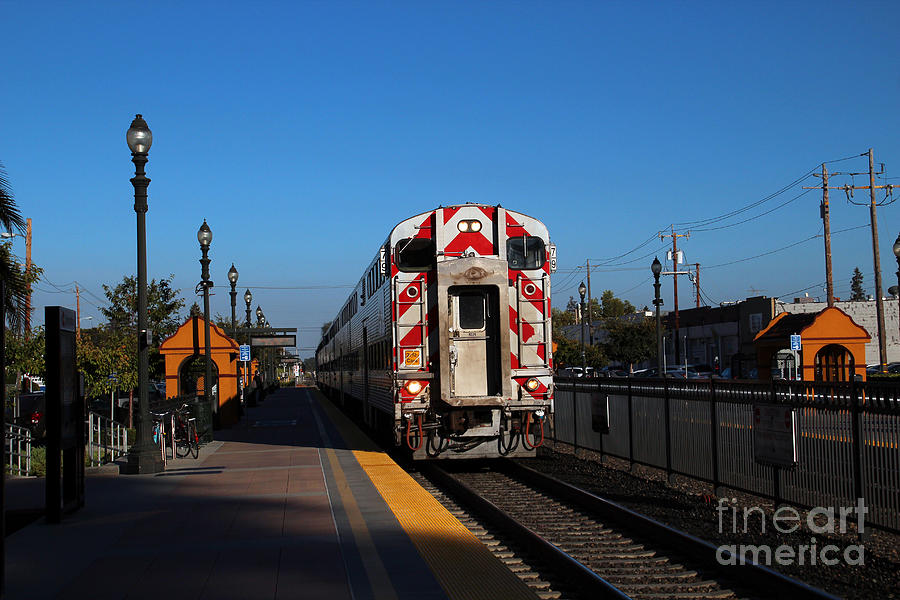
x=193, y=439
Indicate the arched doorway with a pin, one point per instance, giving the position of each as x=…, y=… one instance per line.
x=192, y=375
x=834, y=363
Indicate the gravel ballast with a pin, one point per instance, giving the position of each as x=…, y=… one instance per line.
x=690, y=506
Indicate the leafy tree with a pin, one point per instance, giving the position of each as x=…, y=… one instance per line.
x=16, y=278
x=195, y=310
x=25, y=355
x=106, y=350
x=568, y=354
x=163, y=318
x=630, y=342
x=612, y=307
x=163, y=306
x=562, y=317
x=857, y=293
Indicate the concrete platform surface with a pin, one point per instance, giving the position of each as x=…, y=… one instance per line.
x=277, y=507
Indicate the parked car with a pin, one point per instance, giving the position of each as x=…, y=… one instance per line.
x=575, y=372
x=32, y=412
x=702, y=370
x=611, y=372
x=682, y=373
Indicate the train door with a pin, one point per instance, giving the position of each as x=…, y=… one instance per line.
x=474, y=343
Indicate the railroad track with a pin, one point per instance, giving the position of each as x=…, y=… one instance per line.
x=575, y=544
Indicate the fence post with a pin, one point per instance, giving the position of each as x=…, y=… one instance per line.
x=669, y=475
x=630, y=430
x=575, y=419
x=776, y=471
x=856, y=442
x=714, y=436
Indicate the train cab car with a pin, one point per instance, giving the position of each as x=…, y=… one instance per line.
x=446, y=341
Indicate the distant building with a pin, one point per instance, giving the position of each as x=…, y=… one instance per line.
x=865, y=314
x=720, y=335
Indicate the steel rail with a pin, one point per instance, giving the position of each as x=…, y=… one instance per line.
x=752, y=575
x=592, y=584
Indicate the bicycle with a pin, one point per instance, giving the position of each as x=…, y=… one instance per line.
x=186, y=439
x=159, y=434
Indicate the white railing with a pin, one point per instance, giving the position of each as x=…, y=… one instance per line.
x=107, y=439
x=18, y=450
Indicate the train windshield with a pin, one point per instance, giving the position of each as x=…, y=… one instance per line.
x=526, y=252
x=415, y=254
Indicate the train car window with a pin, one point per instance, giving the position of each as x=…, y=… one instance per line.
x=471, y=311
x=526, y=252
x=415, y=254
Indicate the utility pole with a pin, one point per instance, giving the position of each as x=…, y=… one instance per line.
x=675, y=273
x=826, y=219
x=590, y=309
x=882, y=343
x=77, y=312
x=697, y=282
x=876, y=255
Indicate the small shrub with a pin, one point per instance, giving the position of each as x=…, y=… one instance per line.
x=39, y=461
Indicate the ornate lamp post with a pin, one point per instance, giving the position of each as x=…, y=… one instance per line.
x=144, y=458
x=204, y=236
x=233, y=279
x=582, y=290
x=259, y=323
x=656, y=267
x=248, y=298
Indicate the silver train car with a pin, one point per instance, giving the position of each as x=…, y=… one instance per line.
x=446, y=341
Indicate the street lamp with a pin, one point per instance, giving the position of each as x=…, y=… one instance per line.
x=656, y=267
x=581, y=292
x=260, y=320
x=204, y=236
x=248, y=298
x=145, y=457
x=232, y=279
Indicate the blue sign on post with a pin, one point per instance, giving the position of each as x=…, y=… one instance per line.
x=245, y=352
x=795, y=342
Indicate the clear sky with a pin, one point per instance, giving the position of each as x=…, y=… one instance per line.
x=304, y=131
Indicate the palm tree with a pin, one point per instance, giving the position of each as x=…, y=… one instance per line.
x=12, y=274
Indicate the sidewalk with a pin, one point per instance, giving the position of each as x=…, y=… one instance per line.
x=249, y=519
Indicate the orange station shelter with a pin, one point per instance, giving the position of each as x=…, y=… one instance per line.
x=186, y=366
x=833, y=345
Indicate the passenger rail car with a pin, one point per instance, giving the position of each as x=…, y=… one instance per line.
x=446, y=340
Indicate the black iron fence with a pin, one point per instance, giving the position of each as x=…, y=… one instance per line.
x=847, y=435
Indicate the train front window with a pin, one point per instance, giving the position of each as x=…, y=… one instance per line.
x=525, y=252
x=471, y=311
x=415, y=254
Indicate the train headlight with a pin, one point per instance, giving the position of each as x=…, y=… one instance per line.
x=532, y=384
x=413, y=387
x=469, y=225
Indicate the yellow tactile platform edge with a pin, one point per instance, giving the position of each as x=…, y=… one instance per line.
x=463, y=566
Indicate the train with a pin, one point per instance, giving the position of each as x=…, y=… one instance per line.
x=445, y=343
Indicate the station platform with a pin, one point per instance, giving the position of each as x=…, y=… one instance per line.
x=293, y=502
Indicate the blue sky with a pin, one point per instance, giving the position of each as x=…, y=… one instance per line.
x=303, y=131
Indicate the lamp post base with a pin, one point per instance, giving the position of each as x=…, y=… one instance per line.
x=143, y=461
